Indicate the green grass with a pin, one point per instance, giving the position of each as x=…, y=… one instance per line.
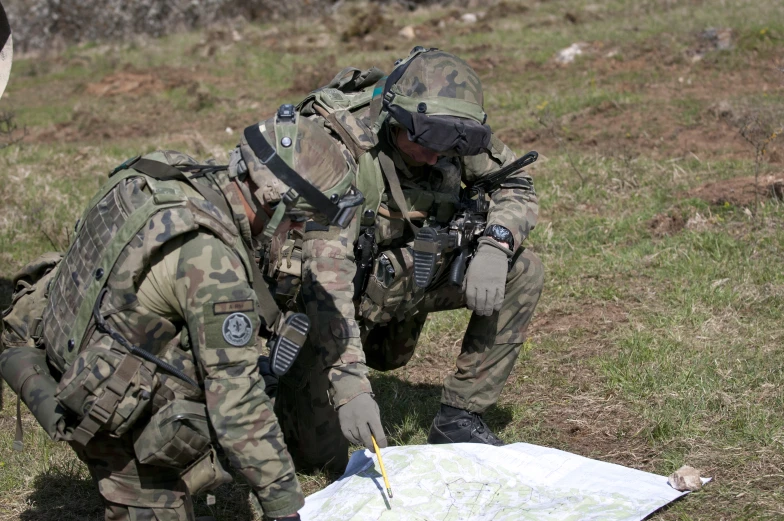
x=649, y=349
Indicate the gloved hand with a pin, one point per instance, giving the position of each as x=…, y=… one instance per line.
x=485, y=282
x=359, y=418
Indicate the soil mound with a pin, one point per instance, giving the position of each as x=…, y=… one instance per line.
x=740, y=191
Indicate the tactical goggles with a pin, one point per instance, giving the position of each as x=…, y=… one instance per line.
x=447, y=135
x=445, y=125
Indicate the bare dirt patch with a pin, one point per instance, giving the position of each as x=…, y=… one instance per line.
x=138, y=83
x=591, y=318
x=665, y=224
x=740, y=191
x=88, y=126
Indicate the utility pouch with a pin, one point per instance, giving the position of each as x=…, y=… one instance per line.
x=390, y=290
x=22, y=320
x=175, y=436
x=27, y=373
x=106, y=390
x=205, y=474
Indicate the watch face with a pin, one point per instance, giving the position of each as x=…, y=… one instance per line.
x=500, y=234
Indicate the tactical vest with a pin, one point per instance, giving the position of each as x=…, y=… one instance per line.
x=102, y=384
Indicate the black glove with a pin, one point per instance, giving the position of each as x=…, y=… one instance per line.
x=270, y=379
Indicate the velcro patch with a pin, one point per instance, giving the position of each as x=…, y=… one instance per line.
x=224, y=308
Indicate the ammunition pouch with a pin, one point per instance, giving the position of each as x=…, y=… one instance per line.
x=106, y=390
x=175, y=436
x=205, y=474
x=22, y=321
x=390, y=290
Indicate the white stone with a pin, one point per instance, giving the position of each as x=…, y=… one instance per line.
x=407, y=32
x=685, y=478
x=570, y=53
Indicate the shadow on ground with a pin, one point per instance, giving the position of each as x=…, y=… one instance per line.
x=407, y=409
x=63, y=496
x=66, y=495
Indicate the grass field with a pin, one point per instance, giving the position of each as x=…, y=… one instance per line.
x=658, y=339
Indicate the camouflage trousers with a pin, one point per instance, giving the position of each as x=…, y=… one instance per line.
x=133, y=491
x=489, y=350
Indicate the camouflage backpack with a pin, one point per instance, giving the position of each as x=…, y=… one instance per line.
x=73, y=386
x=338, y=102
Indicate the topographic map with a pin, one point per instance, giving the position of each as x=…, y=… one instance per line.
x=469, y=482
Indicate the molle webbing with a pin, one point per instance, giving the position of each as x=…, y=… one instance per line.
x=103, y=409
x=104, y=232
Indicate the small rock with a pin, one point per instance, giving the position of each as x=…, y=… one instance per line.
x=723, y=109
x=229, y=130
x=720, y=39
x=407, y=32
x=685, y=478
x=469, y=18
x=570, y=53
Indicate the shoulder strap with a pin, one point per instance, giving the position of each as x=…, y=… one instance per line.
x=390, y=174
x=162, y=171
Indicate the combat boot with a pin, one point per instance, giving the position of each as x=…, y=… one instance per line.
x=453, y=425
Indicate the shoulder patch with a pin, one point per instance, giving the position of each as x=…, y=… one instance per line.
x=237, y=329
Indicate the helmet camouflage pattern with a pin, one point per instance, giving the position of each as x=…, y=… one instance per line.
x=438, y=74
x=437, y=98
x=308, y=150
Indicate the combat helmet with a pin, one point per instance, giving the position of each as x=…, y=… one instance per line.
x=297, y=171
x=437, y=98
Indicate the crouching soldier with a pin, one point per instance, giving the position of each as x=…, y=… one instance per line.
x=416, y=135
x=139, y=346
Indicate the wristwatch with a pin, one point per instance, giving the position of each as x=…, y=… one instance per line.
x=500, y=234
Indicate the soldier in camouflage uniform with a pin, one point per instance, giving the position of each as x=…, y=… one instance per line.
x=419, y=132
x=181, y=290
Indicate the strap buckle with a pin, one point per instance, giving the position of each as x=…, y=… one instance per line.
x=286, y=112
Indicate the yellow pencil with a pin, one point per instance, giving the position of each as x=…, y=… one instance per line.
x=381, y=464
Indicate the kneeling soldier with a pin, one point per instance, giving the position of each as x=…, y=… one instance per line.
x=145, y=356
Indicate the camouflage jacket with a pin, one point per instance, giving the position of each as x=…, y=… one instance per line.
x=328, y=264
x=184, y=274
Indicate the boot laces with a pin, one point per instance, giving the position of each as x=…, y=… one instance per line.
x=480, y=427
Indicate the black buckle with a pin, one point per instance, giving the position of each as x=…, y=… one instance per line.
x=286, y=112
x=267, y=159
x=348, y=206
